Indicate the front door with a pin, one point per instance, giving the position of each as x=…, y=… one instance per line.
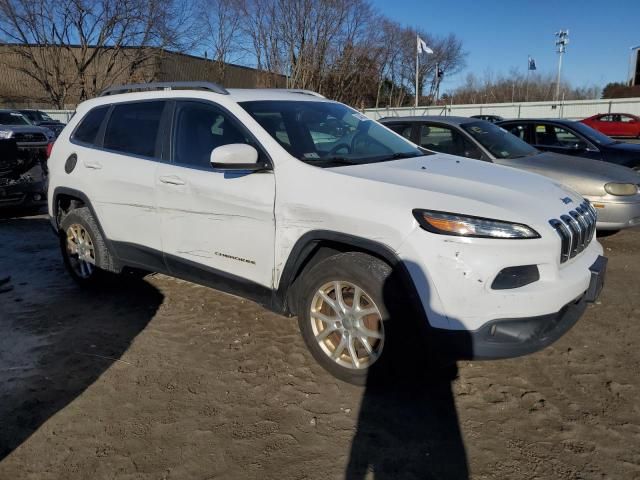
x=217, y=226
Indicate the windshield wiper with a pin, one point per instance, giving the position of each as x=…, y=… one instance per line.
x=332, y=161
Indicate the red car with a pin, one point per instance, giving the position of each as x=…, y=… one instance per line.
x=615, y=124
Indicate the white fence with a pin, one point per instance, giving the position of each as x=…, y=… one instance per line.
x=574, y=110
x=62, y=115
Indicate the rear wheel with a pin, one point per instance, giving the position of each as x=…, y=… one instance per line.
x=83, y=248
x=346, y=313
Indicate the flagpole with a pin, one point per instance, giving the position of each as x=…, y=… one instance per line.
x=526, y=94
x=417, y=54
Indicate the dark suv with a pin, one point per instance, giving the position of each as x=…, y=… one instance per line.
x=42, y=119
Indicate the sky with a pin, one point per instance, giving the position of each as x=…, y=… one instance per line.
x=499, y=35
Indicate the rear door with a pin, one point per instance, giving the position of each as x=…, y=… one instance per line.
x=119, y=173
x=218, y=226
x=629, y=126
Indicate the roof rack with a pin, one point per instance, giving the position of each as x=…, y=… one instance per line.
x=212, y=87
x=300, y=90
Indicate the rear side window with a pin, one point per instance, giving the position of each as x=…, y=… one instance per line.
x=133, y=128
x=89, y=126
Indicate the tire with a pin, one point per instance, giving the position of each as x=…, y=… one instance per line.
x=379, y=295
x=80, y=235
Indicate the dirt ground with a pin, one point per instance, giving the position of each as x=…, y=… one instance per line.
x=163, y=379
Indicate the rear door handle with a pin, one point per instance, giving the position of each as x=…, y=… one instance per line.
x=93, y=165
x=172, y=180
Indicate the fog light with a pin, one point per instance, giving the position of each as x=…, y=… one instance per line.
x=37, y=197
x=515, y=277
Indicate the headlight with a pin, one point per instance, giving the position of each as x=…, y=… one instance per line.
x=621, y=188
x=6, y=134
x=445, y=223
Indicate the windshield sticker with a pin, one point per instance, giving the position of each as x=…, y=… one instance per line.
x=311, y=155
x=361, y=116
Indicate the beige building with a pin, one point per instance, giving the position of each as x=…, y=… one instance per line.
x=70, y=84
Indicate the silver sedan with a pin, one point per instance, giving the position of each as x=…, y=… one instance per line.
x=613, y=190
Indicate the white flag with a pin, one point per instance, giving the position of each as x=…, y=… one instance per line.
x=422, y=46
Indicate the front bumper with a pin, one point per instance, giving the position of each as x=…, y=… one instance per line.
x=23, y=194
x=507, y=338
x=616, y=215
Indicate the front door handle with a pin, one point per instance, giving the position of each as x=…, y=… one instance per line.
x=93, y=165
x=172, y=180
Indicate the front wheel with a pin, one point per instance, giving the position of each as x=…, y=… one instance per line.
x=83, y=248
x=347, y=311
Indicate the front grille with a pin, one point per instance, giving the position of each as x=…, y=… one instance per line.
x=30, y=137
x=576, y=230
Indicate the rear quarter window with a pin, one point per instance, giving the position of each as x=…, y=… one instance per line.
x=87, y=130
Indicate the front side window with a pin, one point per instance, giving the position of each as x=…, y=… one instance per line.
x=328, y=134
x=555, y=136
x=87, y=130
x=446, y=140
x=199, y=129
x=133, y=128
x=498, y=141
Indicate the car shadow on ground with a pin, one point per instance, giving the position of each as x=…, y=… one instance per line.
x=408, y=425
x=56, y=339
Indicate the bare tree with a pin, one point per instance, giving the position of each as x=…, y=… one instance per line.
x=221, y=23
x=516, y=87
x=80, y=47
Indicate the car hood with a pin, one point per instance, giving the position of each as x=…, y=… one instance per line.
x=584, y=175
x=25, y=128
x=473, y=187
x=625, y=147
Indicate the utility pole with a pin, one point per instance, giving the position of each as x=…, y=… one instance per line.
x=631, y=73
x=562, y=39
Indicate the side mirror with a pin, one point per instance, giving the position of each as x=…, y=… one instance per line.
x=237, y=156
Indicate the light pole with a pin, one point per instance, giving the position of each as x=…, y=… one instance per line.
x=562, y=39
x=631, y=73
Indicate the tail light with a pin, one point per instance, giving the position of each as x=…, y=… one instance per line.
x=49, y=148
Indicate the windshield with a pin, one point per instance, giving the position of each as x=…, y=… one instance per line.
x=328, y=134
x=498, y=141
x=592, y=134
x=12, y=118
x=36, y=115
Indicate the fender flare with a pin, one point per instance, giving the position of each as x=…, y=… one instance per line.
x=305, y=247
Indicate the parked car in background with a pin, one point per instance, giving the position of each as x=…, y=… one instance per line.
x=574, y=138
x=23, y=176
x=615, y=124
x=488, y=118
x=612, y=189
x=23, y=160
x=42, y=119
x=310, y=208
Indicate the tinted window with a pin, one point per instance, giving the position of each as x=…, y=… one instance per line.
x=133, y=128
x=87, y=131
x=328, y=133
x=447, y=140
x=554, y=136
x=199, y=129
x=401, y=129
x=498, y=141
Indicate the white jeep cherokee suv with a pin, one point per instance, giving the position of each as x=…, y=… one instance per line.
x=312, y=209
